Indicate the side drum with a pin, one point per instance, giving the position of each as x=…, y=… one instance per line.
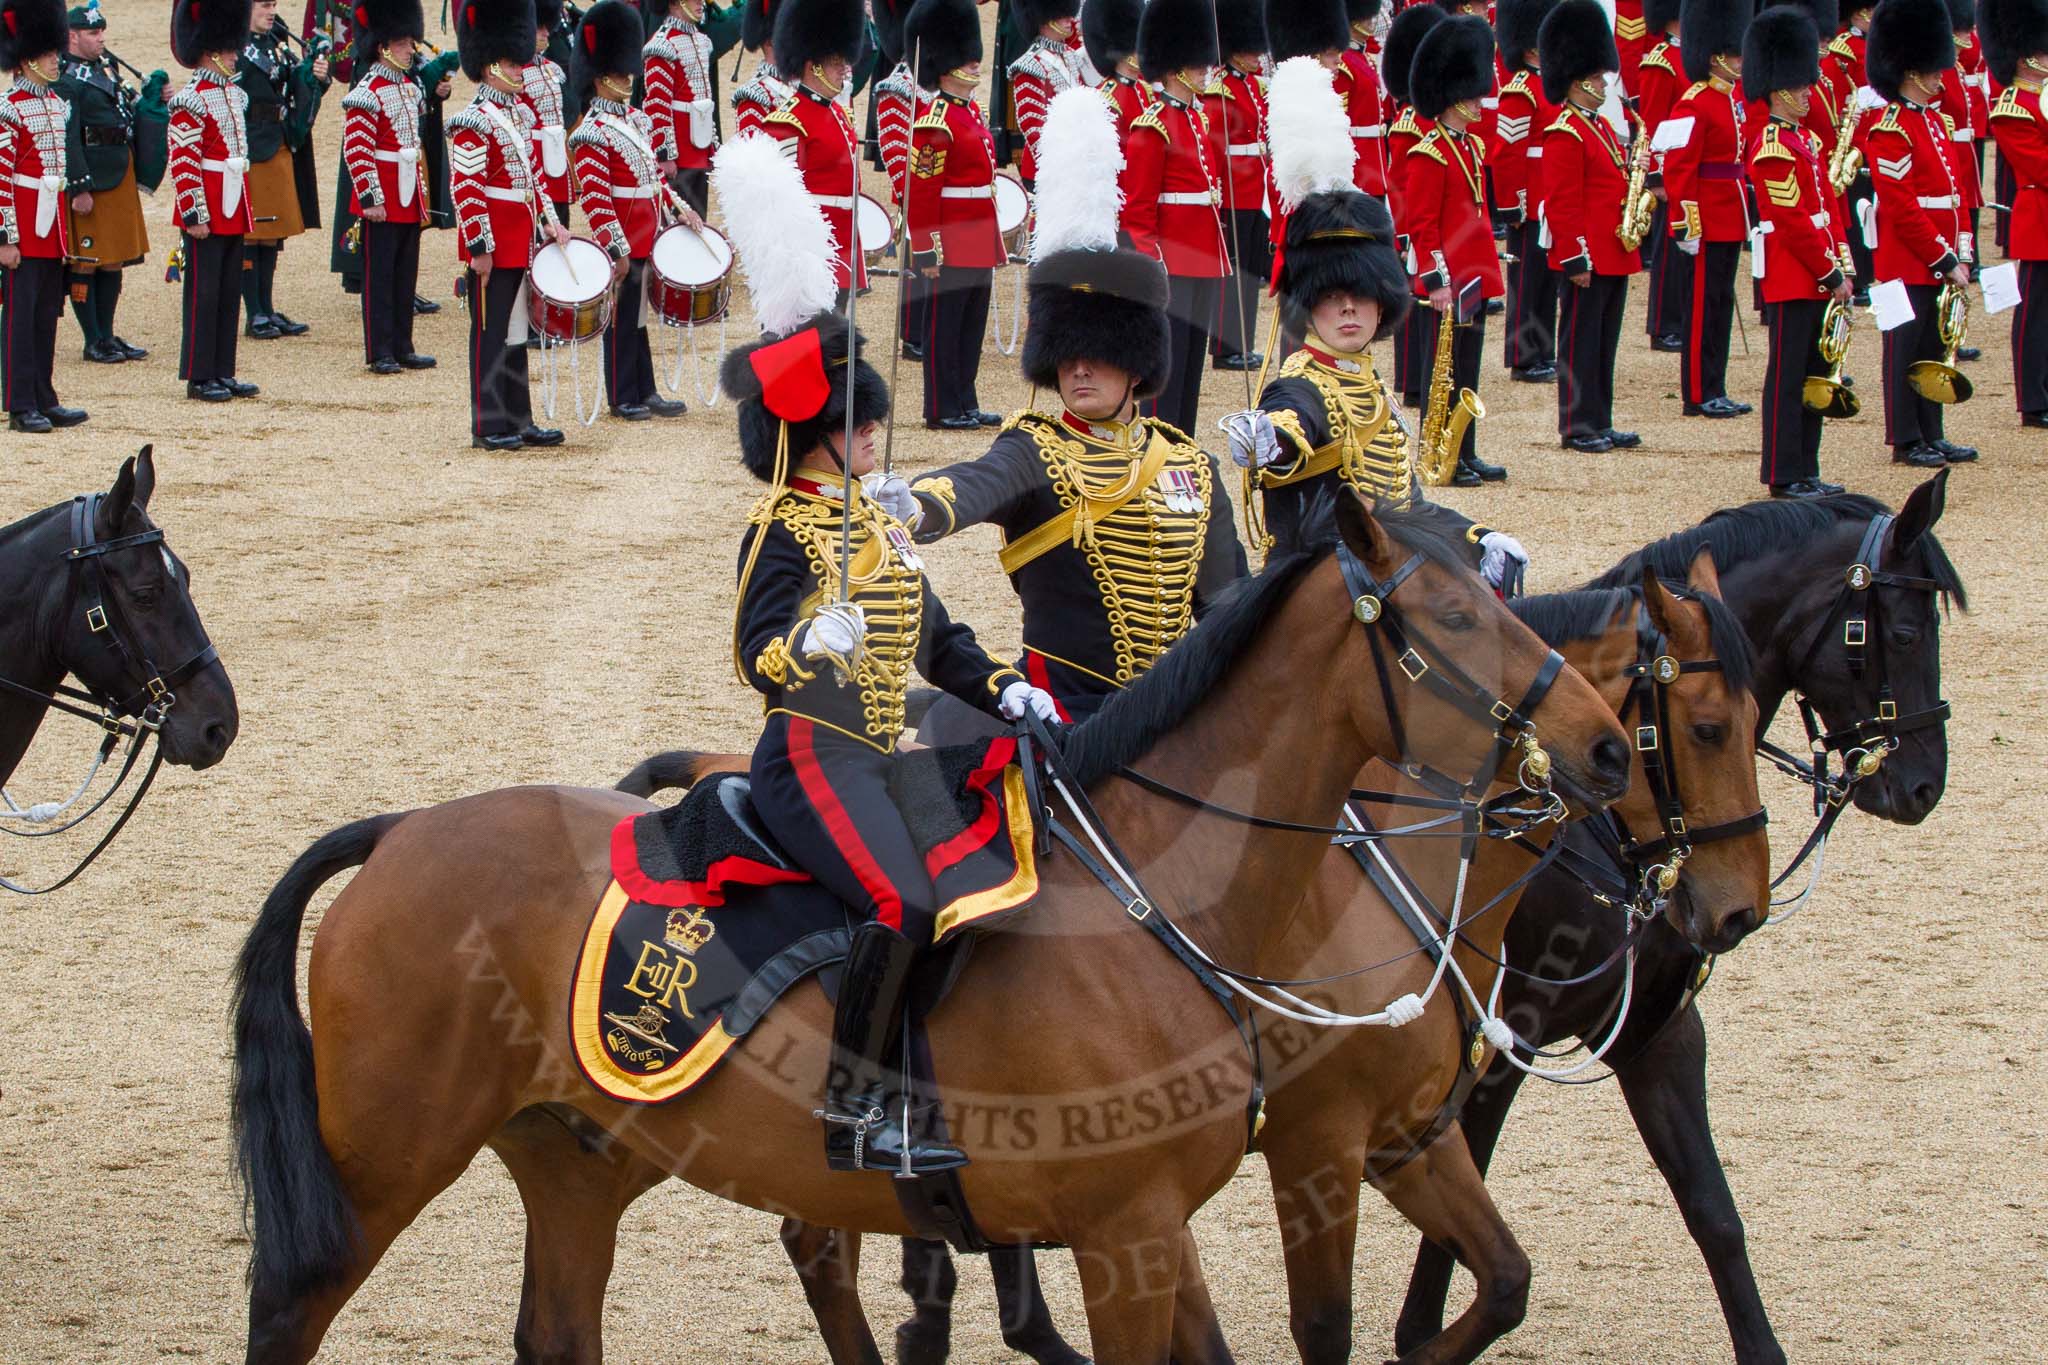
x=570, y=294
x=1013, y=213
x=876, y=227
x=690, y=281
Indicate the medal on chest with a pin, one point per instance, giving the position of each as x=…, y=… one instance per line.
x=904, y=550
x=1178, y=489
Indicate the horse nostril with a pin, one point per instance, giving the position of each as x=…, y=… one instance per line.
x=218, y=737
x=1610, y=761
x=1926, y=795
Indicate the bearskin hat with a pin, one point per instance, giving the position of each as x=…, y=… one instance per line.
x=1576, y=41
x=1658, y=15
x=757, y=23
x=1711, y=28
x=1453, y=63
x=1516, y=26
x=1304, y=28
x=547, y=15
x=1780, y=52
x=1362, y=11
x=1174, y=35
x=1907, y=35
x=608, y=43
x=1033, y=15
x=1240, y=26
x=491, y=31
x=199, y=27
x=857, y=384
x=1826, y=14
x=2013, y=30
x=941, y=35
x=1341, y=239
x=1962, y=15
x=1397, y=56
x=1109, y=32
x=808, y=31
x=889, y=16
x=36, y=28
x=377, y=22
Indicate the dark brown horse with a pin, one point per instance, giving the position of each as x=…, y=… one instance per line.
x=439, y=976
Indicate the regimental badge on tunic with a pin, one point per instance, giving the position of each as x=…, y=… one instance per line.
x=1180, y=490
x=905, y=549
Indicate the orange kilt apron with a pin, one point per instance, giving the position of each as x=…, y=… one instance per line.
x=112, y=235
x=274, y=199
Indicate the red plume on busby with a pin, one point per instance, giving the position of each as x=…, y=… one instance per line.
x=1575, y=42
x=1516, y=24
x=1240, y=26
x=491, y=31
x=31, y=29
x=940, y=36
x=1453, y=63
x=1174, y=35
x=1109, y=31
x=1712, y=28
x=1397, y=56
x=378, y=22
x=1305, y=28
x=608, y=43
x=202, y=26
x=808, y=31
x=2013, y=30
x=1780, y=52
x=1907, y=36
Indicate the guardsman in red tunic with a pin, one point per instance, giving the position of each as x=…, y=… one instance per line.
x=1849, y=49
x=380, y=145
x=1239, y=109
x=680, y=103
x=1445, y=198
x=1049, y=65
x=1805, y=253
x=815, y=43
x=1631, y=39
x=765, y=92
x=1403, y=133
x=495, y=184
x=1703, y=174
x=1109, y=31
x=1585, y=170
x=2016, y=54
x=34, y=178
x=540, y=91
x=209, y=165
x=1922, y=231
x=1173, y=193
x=954, y=241
x=1956, y=104
x=899, y=101
x=1521, y=125
x=1660, y=85
x=1365, y=103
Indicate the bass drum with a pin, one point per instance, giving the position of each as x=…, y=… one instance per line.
x=1013, y=213
x=570, y=294
x=690, y=279
x=877, y=229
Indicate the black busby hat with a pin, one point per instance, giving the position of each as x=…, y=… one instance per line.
x=1397, y=56
x=1575, y=42
x=1780, y=52
x=757, y=23
x=1109, y=32
x=1174, y=35
x=942, y=36
x=808, y=31
x=1711, y=28
x=1826, y=14
x=1303, y=28
x=1659, y=14
x=2013, y=30
x=1240, y=26
x=36, y=28
x=1907, y=35
x=1033, y=15
x=1962, y=15
x=547, y=14
x=751, y=374
x=1516, y=27
x=1341, y=239
x=491, y=31
x=378, y=22
x=1362, y=11
x=608, y=43
x=202, y=26
x=1453, y=63
x=889, y=16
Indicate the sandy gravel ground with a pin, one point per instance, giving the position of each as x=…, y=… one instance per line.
x=407, y=620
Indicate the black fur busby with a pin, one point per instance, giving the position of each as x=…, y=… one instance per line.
x=378, y=22
x=1575, y=42
x=808, y=31
x=1453, y=63
x=1240, y=26
x=1516, y=26
x=2013, y=30
x=1905, y=36
x=942, y=36
x=1658, y=15
x=757, y=23
x=547, y=15
x=1105, y=306
x=1304, y=28
x=1362, y=11
x=1826, y=15
x=608, y=43
x=889, y=16
x=1033, y=15
x=491, y=31
x=1780, y=52
x=1174, y=35
x=202, y=26
x=761, y=430
x=1397, y=56
x=1962, y=15
x=36, y=28
x=1341, y=239
x=1109, y=32
x=1712, y=28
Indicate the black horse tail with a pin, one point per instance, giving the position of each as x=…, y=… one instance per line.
x=678, y=769
x=302, y=1229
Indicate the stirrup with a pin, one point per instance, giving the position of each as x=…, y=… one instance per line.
x=861, y=1123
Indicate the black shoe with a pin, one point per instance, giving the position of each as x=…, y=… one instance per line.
x=987, y=418
x=1667, y=342
x=2034, y=419
x=34, y=423
x=1968, y=353
x=240, y=389
x=1622, y=440
x=966, y=421
x=1495, y=307
x=911, y=352
x=61, y=416
x=1861, y=298
x=1741, y=409
x=262, y=328
x=1827, y=489
x=539, y=436
x=1802, y=490
x=667, y=407
x=287, y=327
x=1954, y=454
x=1588, y=445
x=384, y=364
x=208, y=391
x=1488, y=473
x=503, y=440
x=423, y=304
x=127, y=351
x=863, y=1113
x=413, y=360
x=1541, y=373
x=1249, y=360
x=1715, y=407
x=1921, y=456
x=1464, y=476
x=104, y=352
x=532, y=342
x=633, y=412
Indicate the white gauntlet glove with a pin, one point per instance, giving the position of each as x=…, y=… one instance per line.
x=1689, y=245
x=835, y=632
x=1253, y=442
x=895, y=497
x=1503, y=559
x=1020, y=696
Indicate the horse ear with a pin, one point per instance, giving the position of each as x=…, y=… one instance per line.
x=1701, y=575
x=1660, y=602
x=113, y=511
x=145, y=476
x=1923, y=508
x=1360, y=530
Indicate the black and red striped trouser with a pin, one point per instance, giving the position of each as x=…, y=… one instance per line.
x=1792, y=432
x=1909, y=419
x=1703, y=373
x=500, y=398
x=31, y=301
x=2030, y=340
x=391, y=278
x=213, y=307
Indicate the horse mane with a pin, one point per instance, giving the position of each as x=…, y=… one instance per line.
x=1735, y=534
x=1137, y=718
x=1588, y=613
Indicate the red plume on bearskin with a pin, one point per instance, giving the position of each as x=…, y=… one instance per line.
x=202, y=26
x=608, y=43
x=30, y=29
x=386, y=21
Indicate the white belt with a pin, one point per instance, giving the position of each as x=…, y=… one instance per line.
x=504, y=195
x=1964, y=135
x=46, y=200
x=1534, y=153
x=968, y=192
x=633, y=192
x=1980, y=80
x=1208, y=199
x=1490, y=102
x=836, y=201
x=231, y=171
x=554, y=148
x=1937, y=201
x=407, y=159
x=1247, y=149
x=1375, y=130
x=1821, y=220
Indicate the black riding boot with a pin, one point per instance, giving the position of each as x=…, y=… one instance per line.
x=864, y=1120
x=1472, y=468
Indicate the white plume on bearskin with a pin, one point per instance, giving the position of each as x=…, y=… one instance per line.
x=1308, y=130
x=782, y=240
x=1079, y=160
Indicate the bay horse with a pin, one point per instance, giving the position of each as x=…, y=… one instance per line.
x=1784, y=572
x=439, y=976
x=95, y=593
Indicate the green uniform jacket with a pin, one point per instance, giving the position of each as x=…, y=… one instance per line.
x=101, y=133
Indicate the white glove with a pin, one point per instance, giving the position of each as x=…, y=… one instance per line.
x=895, y=497
x=1689, y=245
x=835, y=632
x=1500, y=550
x=1253, y=442
x=1019, y=696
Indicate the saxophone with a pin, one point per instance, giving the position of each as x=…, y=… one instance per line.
x=1443, y=424
x=1846, y=161
x=1639, y=206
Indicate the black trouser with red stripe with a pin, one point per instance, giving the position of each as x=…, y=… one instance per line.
x=955, y=322
x=1468, y=352
x=500, y=401
x=2030, y=339
x=2006, y=185
x=1909, y=419
x=1247, y=233
x=391, y=277
x=1668, y=278
x=1190, y=311
x=31, y=301
x=1792, y=431
x=1532, y=302
x=826, y=800
x=628, y=355
x=1589, y=334
x=1711, y=275
x=213, y=305
x=911, y=307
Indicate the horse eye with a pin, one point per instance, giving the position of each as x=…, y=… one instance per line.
x=1905, y=637
x=1708, y=734
x=1456, y=620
